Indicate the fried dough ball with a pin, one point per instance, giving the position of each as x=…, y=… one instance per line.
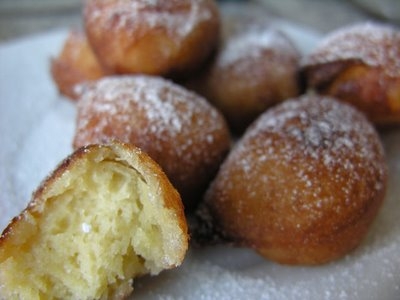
x=106, y=215
x=152, y=37
x=255, y=68
x=178, y=129
x=75, y=64
x=360, y=64
x=303, y=184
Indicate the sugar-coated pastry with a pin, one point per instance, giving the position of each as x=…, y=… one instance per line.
x=256, y=67
x=75, y=64
x=106, y=215
x=157, y=37
x=180, y=130
x=303, y=184
x=360, y=64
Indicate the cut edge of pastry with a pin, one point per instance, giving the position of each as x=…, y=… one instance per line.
x=106, y=215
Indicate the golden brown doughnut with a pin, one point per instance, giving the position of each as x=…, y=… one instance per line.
x=75, y=64
x=303, y=184
x=360, y=64
x=106, y=215
x=178, y=129
x=152, y=37
x=255, y=68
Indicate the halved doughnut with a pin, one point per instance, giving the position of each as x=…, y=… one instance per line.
x=107, y=214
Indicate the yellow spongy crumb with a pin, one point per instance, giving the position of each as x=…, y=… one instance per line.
x=98, y=226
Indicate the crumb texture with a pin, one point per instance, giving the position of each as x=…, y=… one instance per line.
x=99, y=225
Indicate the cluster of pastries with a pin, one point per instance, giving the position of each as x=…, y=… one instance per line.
x=140, y=46
x=307, y=178
x=160, y=89
x=302, y=189
x=162, y=38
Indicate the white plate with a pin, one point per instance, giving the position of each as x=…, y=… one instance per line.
x=37, y=126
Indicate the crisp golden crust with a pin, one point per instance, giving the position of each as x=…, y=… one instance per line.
x=112, y=200
x=177, y=128
x=303, y=184
x=256, y=67
x=360, y=64
x=75, y=65
x=152, y=37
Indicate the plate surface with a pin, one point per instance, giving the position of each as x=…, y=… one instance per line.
x=37, y=126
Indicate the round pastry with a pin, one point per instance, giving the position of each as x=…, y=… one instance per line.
x=152, y=37
x=255, y=68
x=303, y=184
x=106, y=215
x=75, y=64
x=360, y=64
x=178, y=129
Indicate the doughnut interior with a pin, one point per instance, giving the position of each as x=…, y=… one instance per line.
x=105, y=216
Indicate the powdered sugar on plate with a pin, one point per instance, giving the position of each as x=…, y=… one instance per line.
x=35, y=124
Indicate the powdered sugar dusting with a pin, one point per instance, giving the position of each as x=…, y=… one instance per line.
x=170, y=123
x=178, y=19
x=167, y=108
x=86, y=228
x=310, y=153
x=253, y=42
x=372, y=272
x=372, y=44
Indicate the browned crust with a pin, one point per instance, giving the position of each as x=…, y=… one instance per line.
x=75, y=64
x=301, y=205
x=367, y=88
x=256, y=67
x=360, y=65
x=126, y=40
